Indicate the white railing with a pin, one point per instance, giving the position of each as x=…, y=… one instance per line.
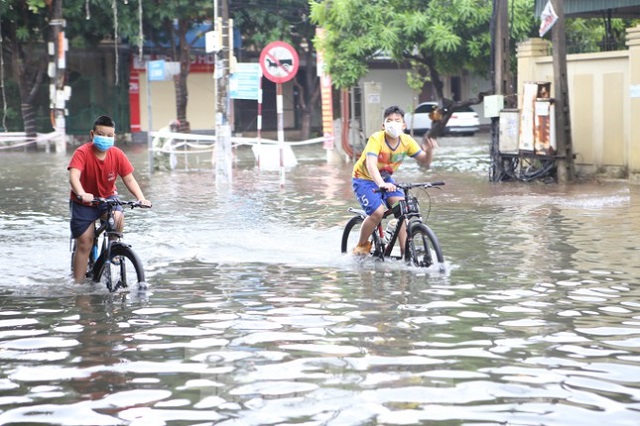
x=11, y=140
x=176, y=143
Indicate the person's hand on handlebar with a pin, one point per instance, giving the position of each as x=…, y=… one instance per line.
x=145, y=203
x=387, y=186
x=85, y=198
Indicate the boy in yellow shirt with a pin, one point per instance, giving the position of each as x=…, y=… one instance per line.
x=383, y=154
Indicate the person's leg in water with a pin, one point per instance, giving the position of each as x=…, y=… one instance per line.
x=373, y=204
x=82, y=230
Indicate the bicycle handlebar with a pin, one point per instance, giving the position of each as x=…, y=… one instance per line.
x=118, y=202
x=406, y=186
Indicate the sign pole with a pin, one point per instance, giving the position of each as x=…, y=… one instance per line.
x=279, y=110
x=259, y=121
x=279, y=62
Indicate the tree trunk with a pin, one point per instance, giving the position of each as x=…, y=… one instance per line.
x=308, y=99
x=26, y=67
x=29, y=119
x=180, y=80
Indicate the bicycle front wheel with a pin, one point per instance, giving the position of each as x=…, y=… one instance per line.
x=122, y=269
x=422, y=247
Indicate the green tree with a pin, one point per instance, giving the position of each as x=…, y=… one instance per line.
x=435, y=37
x=23, y=30
x=163, y=23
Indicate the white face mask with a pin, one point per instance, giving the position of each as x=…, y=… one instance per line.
x=393, y=128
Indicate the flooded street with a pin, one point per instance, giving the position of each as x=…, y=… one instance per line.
x=252, y=316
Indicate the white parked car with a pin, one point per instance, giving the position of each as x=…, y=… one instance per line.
x=464, y=122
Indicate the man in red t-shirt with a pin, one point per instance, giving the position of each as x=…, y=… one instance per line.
x=93, y=170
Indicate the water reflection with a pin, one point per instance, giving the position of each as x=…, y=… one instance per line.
x=254, y=317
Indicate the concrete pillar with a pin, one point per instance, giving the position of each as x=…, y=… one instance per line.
x=633, y=128
x=527, y=52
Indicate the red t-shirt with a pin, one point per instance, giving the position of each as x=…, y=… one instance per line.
x=98, y=177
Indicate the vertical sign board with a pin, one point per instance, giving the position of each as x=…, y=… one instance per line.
x=326, y=97
x=279, y=62
x=244, y=83
x=526, y=117
x=155, y=72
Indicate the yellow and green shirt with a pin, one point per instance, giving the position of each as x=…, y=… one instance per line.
x=388, y=159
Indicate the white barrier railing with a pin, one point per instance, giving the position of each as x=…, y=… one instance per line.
x=11, y=140
x=183, y=144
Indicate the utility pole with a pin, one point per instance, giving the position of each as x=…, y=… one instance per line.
x=58, y=93
x=502, y=84
x=223, y=155
x=565, y=163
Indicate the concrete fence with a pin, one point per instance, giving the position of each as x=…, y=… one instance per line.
x=604, y=101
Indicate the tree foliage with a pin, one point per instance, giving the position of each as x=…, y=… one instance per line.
x=434, y=37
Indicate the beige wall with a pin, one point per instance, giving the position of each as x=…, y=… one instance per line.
x=633, y=42
x=600, y=101
x=201, y=104
x=200, y=107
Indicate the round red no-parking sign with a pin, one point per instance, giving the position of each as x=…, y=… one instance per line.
x=279, y=62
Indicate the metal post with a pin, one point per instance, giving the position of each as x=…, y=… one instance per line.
x=279, y=110
x=259, y=122
x=150, y=127
x=57, y=90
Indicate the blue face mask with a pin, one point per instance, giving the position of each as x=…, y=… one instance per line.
x=103, y=143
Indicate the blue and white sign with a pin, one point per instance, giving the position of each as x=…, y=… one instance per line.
x=156, y=70
x=244, y=83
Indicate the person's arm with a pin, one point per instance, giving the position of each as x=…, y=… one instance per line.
x=132, y=185
x=76, y=186
x=372, y=168
x=426, y=156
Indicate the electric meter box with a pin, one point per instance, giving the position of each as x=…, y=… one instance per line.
x=509, y=131
x=371, y=107
x=493, y=104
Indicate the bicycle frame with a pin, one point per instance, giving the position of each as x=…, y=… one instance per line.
x=405, y=210
x=106, y=229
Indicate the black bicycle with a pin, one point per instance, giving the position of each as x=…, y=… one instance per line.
x=422, y=246
x=111, y=261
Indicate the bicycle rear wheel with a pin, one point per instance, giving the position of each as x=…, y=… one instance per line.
x=422, y=247
x=122, y=269
x=351, y=235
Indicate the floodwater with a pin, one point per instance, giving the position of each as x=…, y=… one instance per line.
x=252, y=316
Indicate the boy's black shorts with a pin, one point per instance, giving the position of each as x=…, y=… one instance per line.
x=82, y=216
